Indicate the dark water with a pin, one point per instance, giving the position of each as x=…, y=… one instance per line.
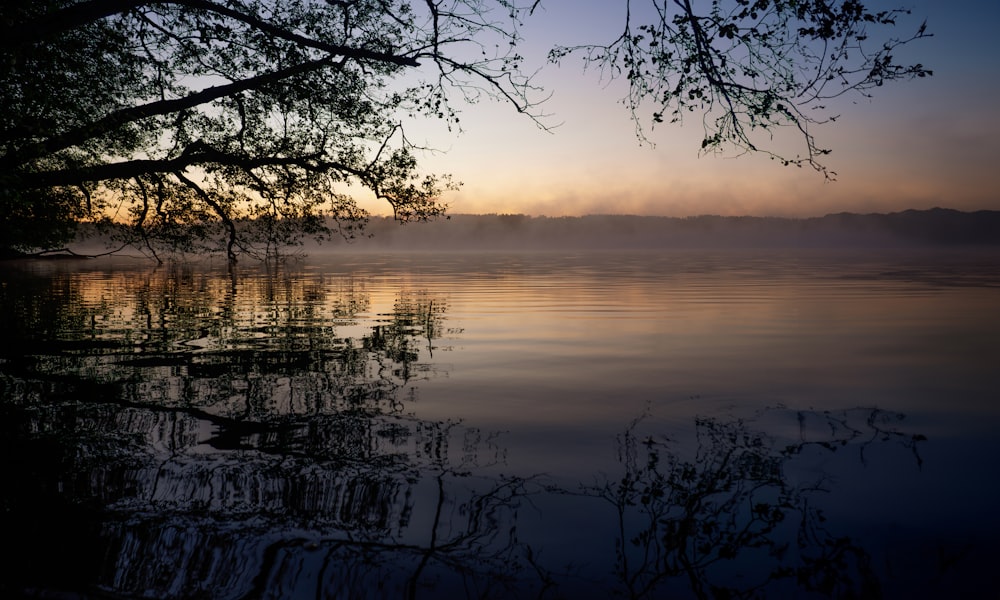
x=554, y=425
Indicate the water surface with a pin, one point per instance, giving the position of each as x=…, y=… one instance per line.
x=692, y=424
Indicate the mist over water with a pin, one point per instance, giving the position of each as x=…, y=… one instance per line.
x=935, y=228
x=801, y=422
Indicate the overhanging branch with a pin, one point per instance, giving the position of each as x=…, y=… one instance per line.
x=73, y=16
x=200, y=155
x=108, y=123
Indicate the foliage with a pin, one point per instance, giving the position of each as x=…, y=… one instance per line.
x=240, y=124
x=36, y=218
x=186, y=119
x=750, y=67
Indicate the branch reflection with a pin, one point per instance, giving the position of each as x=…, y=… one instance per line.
x=192, y=437
x=723, y=518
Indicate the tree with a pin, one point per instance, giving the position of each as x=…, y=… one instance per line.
x=751, y=66
x=186, y=122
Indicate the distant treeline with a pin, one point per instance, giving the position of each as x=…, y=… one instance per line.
x=934, y=227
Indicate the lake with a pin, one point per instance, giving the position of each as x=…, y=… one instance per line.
x=683, y=424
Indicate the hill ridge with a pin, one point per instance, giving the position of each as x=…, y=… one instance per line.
x=497, y=231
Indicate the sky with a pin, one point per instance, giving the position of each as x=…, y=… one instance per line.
x=931, y=142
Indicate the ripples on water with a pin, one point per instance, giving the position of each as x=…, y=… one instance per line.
x=547, y=425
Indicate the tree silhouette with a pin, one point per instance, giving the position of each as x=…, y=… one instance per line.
x=748, y=67
x=200, y=125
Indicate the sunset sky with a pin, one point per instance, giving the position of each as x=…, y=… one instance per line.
x=929, y=142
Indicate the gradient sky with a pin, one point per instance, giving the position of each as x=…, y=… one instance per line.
x=920, y=144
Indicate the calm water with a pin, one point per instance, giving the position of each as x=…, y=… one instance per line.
x=554, y=425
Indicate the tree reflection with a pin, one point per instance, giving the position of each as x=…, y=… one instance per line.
x=726, y=520
x=391, y=505
x=187, y=438
x=271, y=344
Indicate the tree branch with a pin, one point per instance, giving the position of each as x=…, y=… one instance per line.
x=219, y=210
x=73, y=16
x=198, y=154
x=108, y=123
